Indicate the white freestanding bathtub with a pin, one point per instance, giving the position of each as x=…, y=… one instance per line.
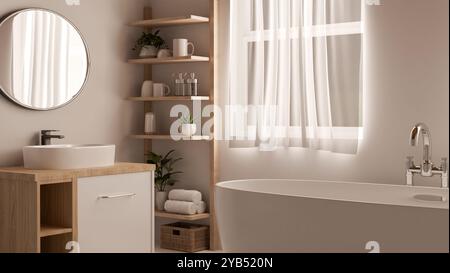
x=317, y=216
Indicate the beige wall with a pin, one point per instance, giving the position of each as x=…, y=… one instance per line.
x=100, y=114
x=406, y=82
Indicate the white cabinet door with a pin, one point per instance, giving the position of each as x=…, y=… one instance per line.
x=115, y=213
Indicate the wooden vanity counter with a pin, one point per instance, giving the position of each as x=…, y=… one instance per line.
x=39, y=208
x=60, y=176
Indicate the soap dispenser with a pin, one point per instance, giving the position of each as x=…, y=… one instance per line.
x=180, y=85
x=192, y=85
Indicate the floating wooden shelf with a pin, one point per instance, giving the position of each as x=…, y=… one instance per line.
x=171, y=60
x=47, y=231
x=171, y=21
x=167, y=215
x=169, y=137
x=171, y=98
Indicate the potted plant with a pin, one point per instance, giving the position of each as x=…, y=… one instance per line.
x=149, y=43
x=188, y=127
x=164, y=175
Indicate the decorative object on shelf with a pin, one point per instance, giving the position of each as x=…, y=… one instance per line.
x=179, y=82
x=161, y=90
x=150, y=123
x=188, y=127
x=147, y=89
x=148, y=52
x=164, y=53
x=181, y=48
x=149, y=44
x=186, y=202
x=192, y=85
x=164, y=175
x=185, y=237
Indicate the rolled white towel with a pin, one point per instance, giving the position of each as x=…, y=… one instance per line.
x=185, y=195
x=200, y=207
x=180, y=207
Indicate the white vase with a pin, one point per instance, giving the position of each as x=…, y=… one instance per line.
x=188, y=130
x=160, y=200
x=148, y=52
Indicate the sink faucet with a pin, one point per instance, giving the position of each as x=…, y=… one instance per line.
x=426, y=169
x=46, y=137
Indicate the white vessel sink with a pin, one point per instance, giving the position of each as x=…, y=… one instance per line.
x=66, y=157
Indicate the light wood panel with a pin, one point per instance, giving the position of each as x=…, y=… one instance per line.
x=214, y=158
x=19, y=216
x=170, y=98
x=65, y=176
x=56, y=208
x=171, y=21
x=171, y=60
x=181, y=217
x=56, y=243
x=169, y=137
x=148, y=75
x=47, y=231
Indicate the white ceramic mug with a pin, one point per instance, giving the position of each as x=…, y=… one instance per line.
x=147, y=89
x=181, y=48
x=161, y=90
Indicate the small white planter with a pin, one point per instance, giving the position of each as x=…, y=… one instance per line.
x=160, y=200
x=188, y=130
x=148, y=52
x=164, y=53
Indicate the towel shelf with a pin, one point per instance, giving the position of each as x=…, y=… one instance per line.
x=195, y=217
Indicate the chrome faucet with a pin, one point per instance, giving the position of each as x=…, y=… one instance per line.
x=46, y=137
x=426, y=169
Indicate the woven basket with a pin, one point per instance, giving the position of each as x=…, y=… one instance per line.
x=185, y=237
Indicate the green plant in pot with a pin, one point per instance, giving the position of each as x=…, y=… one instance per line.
x=149, y=43
x=164, y=175
x=188, y=126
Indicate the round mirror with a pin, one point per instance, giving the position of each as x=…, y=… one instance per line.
x=44, y=61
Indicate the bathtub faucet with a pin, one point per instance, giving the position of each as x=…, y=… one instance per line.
x=426, y=169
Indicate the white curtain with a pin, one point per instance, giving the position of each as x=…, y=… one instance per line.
x=49, y=60
x=295, y=71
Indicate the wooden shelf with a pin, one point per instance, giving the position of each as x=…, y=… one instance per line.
x=169, y=137
x=171, y=60
x=171, y=21
x=47, y=231
x=171, y=98
x=195, y=217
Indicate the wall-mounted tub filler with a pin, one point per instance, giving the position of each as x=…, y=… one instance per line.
x=426, y=169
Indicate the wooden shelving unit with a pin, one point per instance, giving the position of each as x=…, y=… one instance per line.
x=179, y=217
x=171, y=60
x=47, y=231
x=169, y=137
x=170, y=98
x=149, y=140
x=171, y=21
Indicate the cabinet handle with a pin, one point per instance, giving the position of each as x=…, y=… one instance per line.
x=117, y=196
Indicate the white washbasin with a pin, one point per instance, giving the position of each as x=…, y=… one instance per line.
x=65, y=157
